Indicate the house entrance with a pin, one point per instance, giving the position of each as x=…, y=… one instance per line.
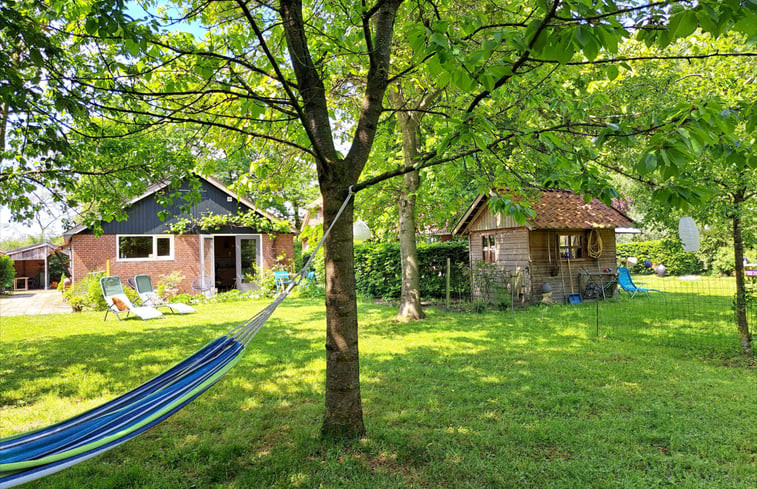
x=237, y=261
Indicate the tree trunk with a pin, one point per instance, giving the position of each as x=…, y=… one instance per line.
x=410, y=308
x=344, y=413
x=738, y=254
x=410, y=300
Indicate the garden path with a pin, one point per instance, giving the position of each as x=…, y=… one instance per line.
x=33, y=302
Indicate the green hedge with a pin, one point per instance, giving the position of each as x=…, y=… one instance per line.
x=378, y=272
x=7, y=274
x=669, y=252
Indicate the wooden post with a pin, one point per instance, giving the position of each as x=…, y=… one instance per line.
x=449, y=267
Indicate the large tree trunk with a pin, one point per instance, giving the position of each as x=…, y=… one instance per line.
x=738, y=254
x=344, y=412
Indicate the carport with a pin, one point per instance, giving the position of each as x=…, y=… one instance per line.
x=31, y=264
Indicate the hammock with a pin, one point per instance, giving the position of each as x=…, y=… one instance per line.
x=35, y=454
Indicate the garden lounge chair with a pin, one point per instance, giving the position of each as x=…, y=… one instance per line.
x=148, y=296
x=625, y=282
x=118, y=303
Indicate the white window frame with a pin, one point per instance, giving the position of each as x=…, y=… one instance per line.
x=154, y=247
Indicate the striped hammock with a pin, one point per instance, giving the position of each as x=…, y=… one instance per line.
x=32, y=455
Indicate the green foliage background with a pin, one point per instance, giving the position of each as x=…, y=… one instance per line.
x=7, y=274
x=378, y=272
x=669, y=252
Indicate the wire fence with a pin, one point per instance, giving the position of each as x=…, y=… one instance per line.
x=691, y=311
x=695, y=312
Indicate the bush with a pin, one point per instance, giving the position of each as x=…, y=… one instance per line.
x=723, y=260
x=7, y=274
x=669, y=252
x=378, y=272
x=87, y=294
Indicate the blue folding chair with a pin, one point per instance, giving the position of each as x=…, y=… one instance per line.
x=282, y=279
x=625, y=282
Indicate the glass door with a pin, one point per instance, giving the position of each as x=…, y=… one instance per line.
x=249, y=261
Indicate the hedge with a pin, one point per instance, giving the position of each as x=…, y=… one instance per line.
x=668, y=252
x=378, y=272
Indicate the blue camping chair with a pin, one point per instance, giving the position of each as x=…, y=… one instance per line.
x=282, y=279
x=625, y=282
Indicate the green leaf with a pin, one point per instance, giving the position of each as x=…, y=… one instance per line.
x=92, y=25
x=612, y=72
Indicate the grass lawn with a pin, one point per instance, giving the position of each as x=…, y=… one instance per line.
x=460, y=400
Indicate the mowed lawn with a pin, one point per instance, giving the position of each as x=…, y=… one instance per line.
x=495, y=400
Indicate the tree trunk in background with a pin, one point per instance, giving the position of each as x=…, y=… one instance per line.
x=738, y=254
x=410, y=301
x=410, y=307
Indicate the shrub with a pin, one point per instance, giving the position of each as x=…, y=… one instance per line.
x=378, y=272
x=7, y=274
x=168, y=284
x=87, y=294
x=669, y=252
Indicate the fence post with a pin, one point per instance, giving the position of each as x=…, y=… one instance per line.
x=448, y=279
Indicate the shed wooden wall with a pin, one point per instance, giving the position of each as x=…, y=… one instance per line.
x=556, y=273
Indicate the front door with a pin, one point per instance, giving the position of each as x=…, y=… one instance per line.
x=249, y=260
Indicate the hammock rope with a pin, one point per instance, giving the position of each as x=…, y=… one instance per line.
x=28, y=456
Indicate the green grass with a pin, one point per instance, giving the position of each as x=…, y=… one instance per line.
x=529, y=400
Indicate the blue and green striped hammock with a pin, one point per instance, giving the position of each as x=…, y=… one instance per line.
x=32, y=455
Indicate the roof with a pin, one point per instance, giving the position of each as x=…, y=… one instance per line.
x=36, y=251
x=558, y=209
x=158, y=186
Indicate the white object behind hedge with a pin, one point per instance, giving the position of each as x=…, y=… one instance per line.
x=687, y=230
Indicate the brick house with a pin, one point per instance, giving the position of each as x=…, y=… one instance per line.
x=228, y=257
x=569, y=241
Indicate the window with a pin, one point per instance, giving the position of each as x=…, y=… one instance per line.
x=145, y=247
x=572, y=245
x=489, y=247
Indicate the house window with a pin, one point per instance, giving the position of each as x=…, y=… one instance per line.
x=489, y=247
x=572, y=245
x=145, y=247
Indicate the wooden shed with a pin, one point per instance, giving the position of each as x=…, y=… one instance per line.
x=568, y=240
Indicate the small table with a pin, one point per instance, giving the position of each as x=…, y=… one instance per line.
x=21, y=280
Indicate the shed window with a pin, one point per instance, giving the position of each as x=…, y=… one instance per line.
x=489, y=247
x=572, y=245
x=145, y=247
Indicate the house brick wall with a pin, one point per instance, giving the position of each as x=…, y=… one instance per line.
x=91, y=253
x=280, y=245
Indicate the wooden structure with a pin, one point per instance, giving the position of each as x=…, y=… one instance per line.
x=228, y=257
x=30, y=263
x=559, y=245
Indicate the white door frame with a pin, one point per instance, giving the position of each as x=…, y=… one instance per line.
x=212, y=276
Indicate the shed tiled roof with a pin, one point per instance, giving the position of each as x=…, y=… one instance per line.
x=558, y=209
x=561, y=209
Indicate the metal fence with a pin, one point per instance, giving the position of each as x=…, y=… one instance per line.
x=694, y=312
